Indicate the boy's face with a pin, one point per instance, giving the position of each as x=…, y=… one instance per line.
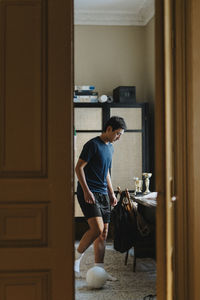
x=115, y=135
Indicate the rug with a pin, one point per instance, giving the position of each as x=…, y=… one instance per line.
x=129, y=286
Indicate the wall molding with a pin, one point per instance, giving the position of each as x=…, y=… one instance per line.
x=126, y=18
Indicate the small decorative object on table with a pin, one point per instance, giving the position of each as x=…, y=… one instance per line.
x=138, y=185
x=147, y=181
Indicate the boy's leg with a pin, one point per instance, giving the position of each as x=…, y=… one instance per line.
x=100, y=244
x=99, y=250
x=96, y=228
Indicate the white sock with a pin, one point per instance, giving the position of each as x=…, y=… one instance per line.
x=110, y=277
x=99, y=265
x=77, y=254
x=77, y=261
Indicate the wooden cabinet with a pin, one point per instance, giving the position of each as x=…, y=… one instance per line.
x=131, y=153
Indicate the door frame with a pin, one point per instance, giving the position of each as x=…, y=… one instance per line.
x=192, y=160
x=179, y=256
x=186, y=43
x=160, y=151
x=181, y=275
x=179, y=263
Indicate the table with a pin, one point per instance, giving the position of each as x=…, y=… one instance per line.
x=151, y=203
x=146, y=206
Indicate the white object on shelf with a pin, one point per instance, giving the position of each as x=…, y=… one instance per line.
x=103, y=98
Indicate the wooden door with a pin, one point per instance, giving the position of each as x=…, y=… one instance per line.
x=191, y=187
x=164, y=132
x=36, y=158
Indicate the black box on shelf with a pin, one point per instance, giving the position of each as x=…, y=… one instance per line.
x=124, y=94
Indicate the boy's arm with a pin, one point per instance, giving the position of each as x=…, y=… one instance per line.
x=113, y=199
x=88, y=195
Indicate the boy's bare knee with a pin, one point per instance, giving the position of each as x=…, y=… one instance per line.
x=104, y=234
x=97, y=227
x=97, y=232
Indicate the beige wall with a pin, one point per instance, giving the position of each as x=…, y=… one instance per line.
x=110, y=56
x=150, y=63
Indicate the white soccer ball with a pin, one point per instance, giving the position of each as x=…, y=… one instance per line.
x=96, y=277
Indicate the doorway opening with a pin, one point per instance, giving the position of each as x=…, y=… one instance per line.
x=112, y=52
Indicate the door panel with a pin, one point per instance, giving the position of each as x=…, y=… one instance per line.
x=24, y=225
x=23, y=86
x=36, y=157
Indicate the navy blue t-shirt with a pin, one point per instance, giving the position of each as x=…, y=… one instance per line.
x=98, y=156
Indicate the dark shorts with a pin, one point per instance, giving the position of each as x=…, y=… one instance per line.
x=101, y=207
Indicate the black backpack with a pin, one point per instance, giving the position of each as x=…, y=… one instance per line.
x=124, y=226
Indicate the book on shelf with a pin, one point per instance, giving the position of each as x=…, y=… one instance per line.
x=85, y=99
x=85, y=92
x=84, y=87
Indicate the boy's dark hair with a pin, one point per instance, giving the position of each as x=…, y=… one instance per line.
x=116, y=123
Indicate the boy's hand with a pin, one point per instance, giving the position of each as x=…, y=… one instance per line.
x=113, y=199
x=89, y=197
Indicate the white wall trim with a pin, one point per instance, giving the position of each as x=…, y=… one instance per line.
x=101, y=17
